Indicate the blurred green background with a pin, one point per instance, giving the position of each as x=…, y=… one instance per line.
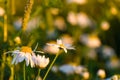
x=92, y=26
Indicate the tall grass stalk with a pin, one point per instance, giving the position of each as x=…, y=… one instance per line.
x=13, y=7
x=4, y=40
x=27, y=12
x=5, y=28
x=3, y=66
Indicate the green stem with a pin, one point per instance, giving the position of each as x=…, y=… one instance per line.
x=38, y=72
x=12, y=73
x=37, y=77
x=24, y=76
x=3, y=66
x=51, y=66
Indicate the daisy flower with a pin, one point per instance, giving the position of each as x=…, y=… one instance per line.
x=61, y=44
x=24, y=53
x=41, y=61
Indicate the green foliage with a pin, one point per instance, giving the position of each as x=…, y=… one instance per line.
x=91, y=26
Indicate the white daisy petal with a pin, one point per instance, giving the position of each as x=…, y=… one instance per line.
x=21, y=57
x=65, y=50
x=14, y=59
x=33, y=57
x=35, y=47
x=31, y=62
x=15, y=52
x=59, y=41
x=27, y=58
x=71, y=48
x=16, y=62
x=51, y=44
x=55, y=45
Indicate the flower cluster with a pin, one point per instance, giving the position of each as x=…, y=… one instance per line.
x=27, y=54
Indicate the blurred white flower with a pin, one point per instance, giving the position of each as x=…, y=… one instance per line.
x=62, y=45
x=101, y=73
x=33, y=23
x=115, y=77
x=41, y=61
x=51, y=49
x=113, y=10
x=92, y=54
x=67, y=39
x=81, y=2
x=108, y=79
x=2, y=11
x=67, y=69
x=60, y=23
x=38, y=78
x=108, y=52
x=72, y=18
x=105, y=25
x=55, y=68
x=84, y=38
x=24, y=53
x=18, y=23
x=51, y=33
x=79, y=69
x=91, y=41
x=83, y=20
x=86, y=75
x=113, y=63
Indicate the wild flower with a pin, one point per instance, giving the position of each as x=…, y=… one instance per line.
x=101, y=73
x=24, y=53
x=41, y=61
x=79, y=69
x=115, y=77
x=60, y=23
x=86, y=75
x=51, y=49
x=113, y=10
x=67, y=69
x=2, y=11
x=80, y=2
x=83, y=20
x=91, y=41
x=72, y=18
x=105, y=25
x=61, y=44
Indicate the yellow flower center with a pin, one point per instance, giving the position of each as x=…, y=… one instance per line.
x=62, y=45
x=26, y=49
